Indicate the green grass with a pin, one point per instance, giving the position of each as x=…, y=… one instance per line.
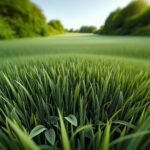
x=134, y=47
x=75, y=92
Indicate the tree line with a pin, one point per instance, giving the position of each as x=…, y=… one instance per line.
x=84, y=29
x=134, y=19
x=22, y=18
x=88, y=29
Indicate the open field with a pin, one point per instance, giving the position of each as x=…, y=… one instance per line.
x=134, y=47
x=101, y=85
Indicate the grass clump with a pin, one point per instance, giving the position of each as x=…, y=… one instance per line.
x=75, y=103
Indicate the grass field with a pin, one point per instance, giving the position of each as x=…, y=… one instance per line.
x=134, y=47
x=75, y=91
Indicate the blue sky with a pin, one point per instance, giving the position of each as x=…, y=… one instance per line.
x=74, y=13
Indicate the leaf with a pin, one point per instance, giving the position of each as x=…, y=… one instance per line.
x=36, y=131
x=144, y=128
x=27, y=93
x=98, y=137
x=15, y=116
x=130, y=137
x=79, y=129
x=10, y=85
x=25, y=140
x=121, y=122
x=64, y=135
x=105, y=86
x=50, y=136
x=76, y=92
x=106, y=139
x=72, y=119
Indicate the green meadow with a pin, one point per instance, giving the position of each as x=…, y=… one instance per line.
x=75, y=91
x=122, y=46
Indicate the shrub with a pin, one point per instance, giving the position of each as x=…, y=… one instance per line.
x=5, y=31
x=123, y=21
x=88, y=29
x=142, y=31
x=55, y=27
x=24, y=18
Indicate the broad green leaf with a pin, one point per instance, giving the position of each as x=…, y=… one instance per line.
x=36, y=131
x=72, y=119
x=50, y=136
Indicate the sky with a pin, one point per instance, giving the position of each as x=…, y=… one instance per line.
x=75, y=13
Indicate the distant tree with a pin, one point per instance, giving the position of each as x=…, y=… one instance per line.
x=88, y=29
x=77, y=31
x=55, y=27
x=71, y=30
x=66, y=30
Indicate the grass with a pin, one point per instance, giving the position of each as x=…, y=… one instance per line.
x=75, y=92
x=133, y=47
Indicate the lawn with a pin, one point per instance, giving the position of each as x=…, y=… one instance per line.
x=75, y=91
x=134, y=47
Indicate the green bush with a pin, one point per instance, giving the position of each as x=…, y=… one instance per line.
x=88, y=29
x=24, y=18
x=5, y=30
x=142, y=31
x=125, y=21
x=55, y=27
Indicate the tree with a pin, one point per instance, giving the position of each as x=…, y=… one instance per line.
x=124, y=21
x=88, y=29
x=55, y=27
x=24, y=18
x=5, y=31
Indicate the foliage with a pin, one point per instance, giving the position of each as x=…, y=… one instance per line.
x=24, y=18
x=101, y=104
x=88, y=29
x=55, y=27
x=5, y=30
x=125, y=21
x=58, y=96
x=76, y=44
